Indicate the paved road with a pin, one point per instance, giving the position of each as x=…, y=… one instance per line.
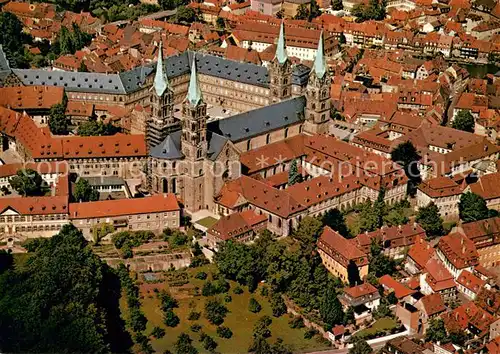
x=375, y=347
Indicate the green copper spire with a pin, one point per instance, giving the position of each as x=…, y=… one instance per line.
x=161, y=80
x=280, y=48
x=194, y=93
x=319, y=61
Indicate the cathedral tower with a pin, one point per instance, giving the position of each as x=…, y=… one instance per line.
x=280, y=71
x=162, y=120
x=318, y=95
x=194, y=120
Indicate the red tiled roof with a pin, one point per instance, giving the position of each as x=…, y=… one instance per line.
x=360, y=290
x=482, y=232
x=470, y=281
x=123, y=207
x=30, y=97
x=390, y=284
x=440, y=187
x=465, y=315
x=421, y=252
x=433, y=304
x=487, y=186
x=236, y=224
x=438, y=276
x=36, y=205
x=458, y=250
x=332, y=243
x=104, y=146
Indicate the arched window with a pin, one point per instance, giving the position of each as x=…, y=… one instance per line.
x=268, y=138
x=286, y=133
x=198, y=154
x=249, y=144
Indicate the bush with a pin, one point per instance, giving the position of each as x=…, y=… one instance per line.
x=278, y=306
x=196, y=327
x=167, y=301
x=264, y=291
x=310, y=333
x=201, y=275
x=193, y=316
x=208, y=342
x=158, y=332
x=238, y=290
x=215, y=312
x=224, y=332
x=228, y=298
x=170, y=318
x=296, y=322
x=254, y=306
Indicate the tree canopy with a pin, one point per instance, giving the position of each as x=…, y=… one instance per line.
x=58, y=301
x=464, y=121
x=58, y=123
x=334, y=218
x=337, y=5
x=375, y=10
x=293, y=174
x=472, y=207
x=428, y=217
x=360, y=346
x=84, y=191
x=92, y=127
x=12, y=39
x=28, y=183
x=436, y=331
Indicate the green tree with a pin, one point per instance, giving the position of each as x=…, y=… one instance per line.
x=224, y=332
x=436, y=331
x=261, y=327
x=334, y=218
x=220, y=22
x=170, y=318
x=337, y=5
x=379, y=208
x=208, y=342
x=308, y=232
x=83, y=67
x=13, y=39
x=382, y=310
x=464, y=121
x=167, y=301
x=330, y=308
x=185, y=15
x=84, y=191
x=92, y=127
x=315, y=11
x=368, y=219
x=254, y=306
x=183, y=345
x=428, y=217
x=406, y=155
x=380, y=264
x=293, y=174
x=28, y=183
x=392, y=299
x=58, y=123
x=65, y=41
x=56, y=301
x=360, y=346
x=302, y=12
x=472, y=207
x=278, y=306
x=158, y=332
x=215, y=311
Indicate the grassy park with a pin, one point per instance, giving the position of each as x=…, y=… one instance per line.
x=239, y=319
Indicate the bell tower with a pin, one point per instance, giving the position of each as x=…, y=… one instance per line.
x=318, y=95
x=194, y=120
x=280, y=71
x=162, y=121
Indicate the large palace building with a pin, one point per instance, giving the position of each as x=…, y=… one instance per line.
x=185, y=154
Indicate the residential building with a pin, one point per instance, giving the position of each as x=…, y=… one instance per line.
x=469, y=285
x=458, y=253
x=338, y=253
x=486, y=237
x=437, y=279
x=442, y=191
x=240, y=227
x=364, y=298
x=150, y=213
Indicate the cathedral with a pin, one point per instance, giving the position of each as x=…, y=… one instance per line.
x=193, y=158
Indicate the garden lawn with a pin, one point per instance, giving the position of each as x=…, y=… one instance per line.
x=382, y=324
x=207, y=222
x=240, y=320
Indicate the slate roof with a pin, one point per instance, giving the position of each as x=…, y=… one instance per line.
x=170, y=148
x=73, y=81
x=130, y=81
x=246, y=73
x=258, y=121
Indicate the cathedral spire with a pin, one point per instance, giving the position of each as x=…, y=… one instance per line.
x=194, y=93
x=280, y=48
x=319, y=61
x=161, y=80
